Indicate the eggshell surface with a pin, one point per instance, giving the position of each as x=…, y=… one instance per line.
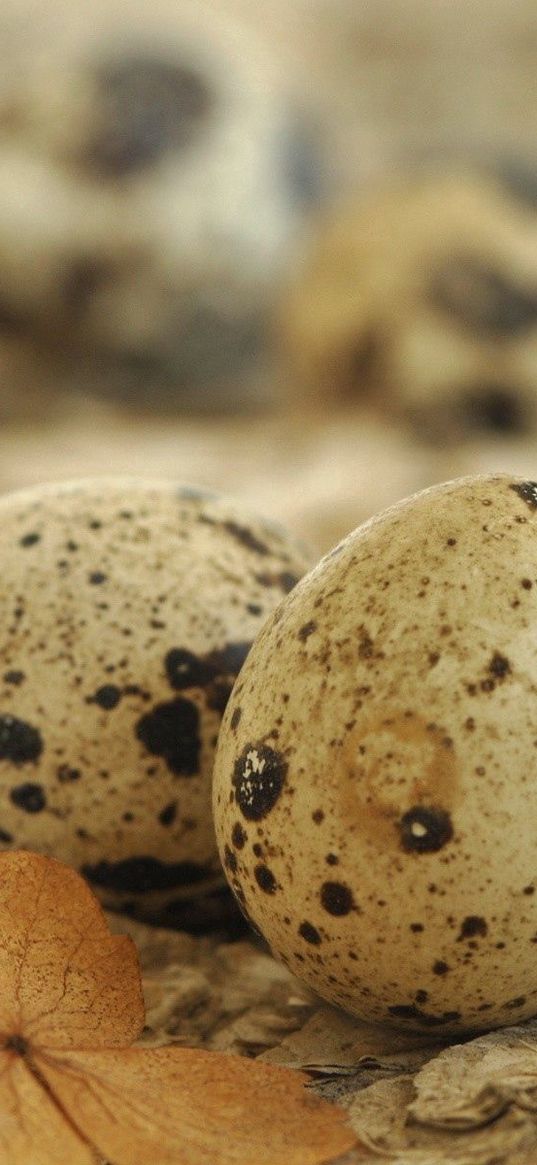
x=375, y=789
x=127, y=609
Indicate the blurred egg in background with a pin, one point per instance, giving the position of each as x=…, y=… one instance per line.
x=287, y=251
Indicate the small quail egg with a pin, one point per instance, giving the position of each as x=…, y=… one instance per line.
x=127, y=608
x=375, y=788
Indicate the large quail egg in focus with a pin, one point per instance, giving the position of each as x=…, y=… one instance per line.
x=127, y=609
x=375, y=787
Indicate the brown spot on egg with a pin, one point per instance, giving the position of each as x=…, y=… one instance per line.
x=107, y=697
x=66, y=773
x=145, y=106
x=20, y=742
x=309, y=933
x=471, y=926
x=481, y=298
x=366, y=646
x=239, y=837
x=235, y=718
x=30, y=539
x=306, y=630
x=186, y=670
x=336, y=898
x=168, y=815
x=499, y=665
x=527, y=491
x=246, y=537
x=218, y=694
x=258, y=779
x=282, y=579
x=265, y=879
x=171, y=730
x=425, y=829
x=230, y=860
x=30, y=797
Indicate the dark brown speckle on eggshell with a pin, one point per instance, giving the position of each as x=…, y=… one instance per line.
x=127, y=609
x=386, y=722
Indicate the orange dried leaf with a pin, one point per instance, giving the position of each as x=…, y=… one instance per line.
x=71, y=1091
x=65, y=980
x=171, y=1105
x=32, y=1129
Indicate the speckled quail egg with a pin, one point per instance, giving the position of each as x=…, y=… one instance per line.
x=375, y=787
x=127, y=608
x=155, y=172
x=417, y=300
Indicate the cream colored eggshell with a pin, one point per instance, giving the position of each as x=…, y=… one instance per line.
x=126, y=610
x=375, y=788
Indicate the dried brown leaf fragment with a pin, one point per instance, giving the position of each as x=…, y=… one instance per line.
x=71, y=1087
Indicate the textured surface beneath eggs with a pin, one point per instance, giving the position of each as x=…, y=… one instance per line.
x=127, y=609
x=374, y=784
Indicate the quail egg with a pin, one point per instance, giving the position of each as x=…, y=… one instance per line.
x=127, y=608
x=375, y=790
x=417, y=300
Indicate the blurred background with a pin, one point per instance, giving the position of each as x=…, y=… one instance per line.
x=287, y=250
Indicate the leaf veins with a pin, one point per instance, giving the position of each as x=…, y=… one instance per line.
x=71, y=1087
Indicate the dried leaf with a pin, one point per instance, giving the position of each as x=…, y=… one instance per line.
x=380, y=1112
x=182, y=1104
x=380, y=1117
x=70, y=1000
x=65, y=981
x=471, y=1085
x=201, y=992
x=470, y=1105
x=333, y=1043
x=33, y=1131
